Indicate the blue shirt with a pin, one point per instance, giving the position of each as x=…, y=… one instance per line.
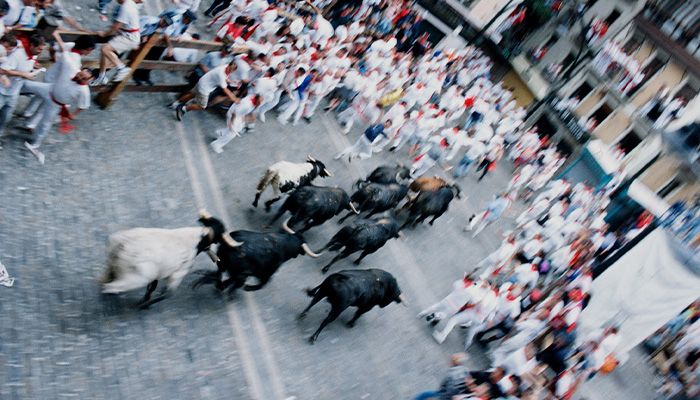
x=373, y=131
x=304, y=85
x=497, y=206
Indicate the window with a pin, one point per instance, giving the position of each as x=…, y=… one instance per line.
x=583, y=90
x=629, y=142
x=633, y=44
x=614, y=15
x=687, y=92
x=568, y=60
x=545, y=127
x=602, y=113
x=668, y=188
x=649, y=71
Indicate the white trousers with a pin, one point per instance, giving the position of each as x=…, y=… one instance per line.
x=362, y=149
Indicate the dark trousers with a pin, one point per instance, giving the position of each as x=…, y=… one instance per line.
x=501, y=329
x=217, y=6
x=483, y=167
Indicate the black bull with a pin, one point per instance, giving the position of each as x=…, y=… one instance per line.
x=363, y=289
x=367, y=235
x=312, y=206
x=255, y=254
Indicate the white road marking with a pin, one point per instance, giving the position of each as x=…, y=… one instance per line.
x=234, y=319
x=258, y=325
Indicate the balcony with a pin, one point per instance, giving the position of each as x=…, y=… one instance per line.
x=660, y=39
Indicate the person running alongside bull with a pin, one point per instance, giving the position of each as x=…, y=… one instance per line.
x=363, y=148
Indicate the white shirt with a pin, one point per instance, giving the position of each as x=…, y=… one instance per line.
x=16, y=61
x=72, y=94
x=128, y=16
x=266, y=87
x=211, y=80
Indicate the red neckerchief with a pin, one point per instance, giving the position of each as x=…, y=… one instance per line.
x=25, y=43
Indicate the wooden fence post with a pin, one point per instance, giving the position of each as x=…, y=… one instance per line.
x=106, y=98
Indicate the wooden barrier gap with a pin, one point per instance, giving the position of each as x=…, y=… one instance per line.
x=106, y=98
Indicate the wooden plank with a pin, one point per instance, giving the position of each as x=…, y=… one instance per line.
x=106, y=98
x=156, y=88
x=150, y=64
x=206, y=45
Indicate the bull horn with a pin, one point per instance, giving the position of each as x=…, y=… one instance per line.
x=213, y=256
x=327, y=172
x=309, y=158
x=286, y=227
x=403, y=300
x=204, y=214
x=308, y=251
x=352, y=206
x=226, y=237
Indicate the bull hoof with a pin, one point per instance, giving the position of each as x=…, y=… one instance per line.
x=325, y=269
x=312, y=340
x=301, y=316
x=356, y=262
x=430, y=223
x=350, y=324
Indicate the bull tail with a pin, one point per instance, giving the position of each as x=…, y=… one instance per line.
x=265, y=180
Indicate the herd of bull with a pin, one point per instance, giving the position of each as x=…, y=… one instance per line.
x=140, y=257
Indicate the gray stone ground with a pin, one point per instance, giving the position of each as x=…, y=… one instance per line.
x=134, y=165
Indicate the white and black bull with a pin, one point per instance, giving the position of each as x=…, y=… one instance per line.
x=430, y=204
x=312, y=206
x=363, y=289
x=365, y=235
x=374, y=198
x=387, y=174
x=142, y=256
x=285, y=176
x=257, y=255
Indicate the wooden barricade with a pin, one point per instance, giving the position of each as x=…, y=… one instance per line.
x=109, y=93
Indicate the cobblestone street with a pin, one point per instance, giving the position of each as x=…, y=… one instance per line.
x=121, y=170
x=134, y=165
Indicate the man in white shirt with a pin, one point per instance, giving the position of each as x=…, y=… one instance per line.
x=68, y=64
x=58, y=97
x=125, y=30
x=18, y=66
x=236, y=120
x=216, y=78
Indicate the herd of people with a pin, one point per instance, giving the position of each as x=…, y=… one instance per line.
x=371, y=64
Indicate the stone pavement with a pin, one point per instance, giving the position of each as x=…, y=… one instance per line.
x=134, y=165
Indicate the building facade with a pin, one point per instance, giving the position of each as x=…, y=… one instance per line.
x=613, y=82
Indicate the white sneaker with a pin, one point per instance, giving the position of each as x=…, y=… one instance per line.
x=174, y=105
x=346, y=129
x=282, y=121
x=35, y=151
x=221, y=132
x=261, y=117
x=439, y=337
x=216, y=148
x=121, y=74
x=100, y=81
